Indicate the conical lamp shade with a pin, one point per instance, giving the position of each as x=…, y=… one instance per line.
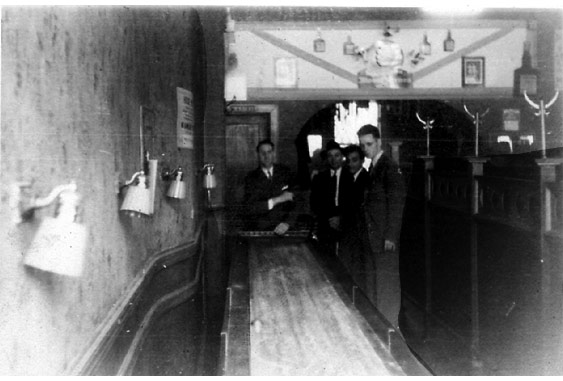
x=137, y=199
x=58, y=247
x=177, y=189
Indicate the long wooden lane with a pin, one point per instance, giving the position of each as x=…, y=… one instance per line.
x=299, y=324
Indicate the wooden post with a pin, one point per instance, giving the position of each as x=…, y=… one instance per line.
x=428, y=124
x=428, y=168
x=475, y=169
x=476, y=121
x=550, y=271
x=542, y=112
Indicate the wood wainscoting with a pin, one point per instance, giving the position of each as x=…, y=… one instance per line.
x=168, y=280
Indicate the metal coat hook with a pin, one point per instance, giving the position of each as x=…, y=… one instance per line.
x=428, y=124
x=477, y=122
x=542, y=112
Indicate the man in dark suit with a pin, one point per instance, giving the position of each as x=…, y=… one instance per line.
x=382, y=214
x=330, y=195
x=353, y=254
x=354, y=163
x=268, y=199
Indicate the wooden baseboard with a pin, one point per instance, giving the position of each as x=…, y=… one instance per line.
x=118, y=338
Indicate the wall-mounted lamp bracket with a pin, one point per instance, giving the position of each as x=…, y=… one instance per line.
x=168, y=175
x=23, y=206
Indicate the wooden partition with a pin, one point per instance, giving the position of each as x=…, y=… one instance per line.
x=491, y=258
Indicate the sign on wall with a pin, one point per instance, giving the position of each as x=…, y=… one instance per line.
x=185, y=122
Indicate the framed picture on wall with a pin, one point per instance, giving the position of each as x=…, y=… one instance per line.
x=511, y=119
x=285, y=70
x=472, y=71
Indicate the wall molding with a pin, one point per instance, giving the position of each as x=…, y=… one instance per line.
x=163, y=304
x=91, y=361
x=334, y=94
x=379, y=25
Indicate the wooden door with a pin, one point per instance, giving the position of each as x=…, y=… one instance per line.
x=243, y=132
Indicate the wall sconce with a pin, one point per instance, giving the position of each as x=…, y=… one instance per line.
x=141, y=190
x=60, y=242
x=209, y=181
x=177, y=188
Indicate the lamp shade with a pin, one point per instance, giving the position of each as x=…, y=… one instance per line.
x=209, y=180
x=177, y=189
x=58, y=247
x=138, y=197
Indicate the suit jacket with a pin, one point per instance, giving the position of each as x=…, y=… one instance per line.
x=359, y=187
x=258, y=189
x=352, y=214
x=323, y=194
x=383, y=203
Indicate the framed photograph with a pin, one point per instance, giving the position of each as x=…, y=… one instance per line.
x=472, y=71
x=285, y=70
x=511, y=119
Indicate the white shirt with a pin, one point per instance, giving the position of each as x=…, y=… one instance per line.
x=358, y=173
x=270, y=170
x=332, y=173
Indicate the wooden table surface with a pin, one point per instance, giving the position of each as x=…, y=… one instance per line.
x=300, y=325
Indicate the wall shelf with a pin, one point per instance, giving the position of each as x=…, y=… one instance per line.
x=309, y=94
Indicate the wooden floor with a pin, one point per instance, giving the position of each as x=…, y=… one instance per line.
x=300, y=326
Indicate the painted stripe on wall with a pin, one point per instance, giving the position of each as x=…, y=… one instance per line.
x=459, y=53
x=278, y=42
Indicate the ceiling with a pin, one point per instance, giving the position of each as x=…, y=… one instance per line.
x=313, y=14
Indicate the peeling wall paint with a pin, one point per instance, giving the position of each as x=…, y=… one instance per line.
x=73, y=79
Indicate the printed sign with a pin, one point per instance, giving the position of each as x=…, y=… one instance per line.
x=185, y=123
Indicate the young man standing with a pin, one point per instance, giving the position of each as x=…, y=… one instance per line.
x=330, y=195
x=353, y=254
x=382, y=213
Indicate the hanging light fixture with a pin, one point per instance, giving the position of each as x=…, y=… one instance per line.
x=209, y=181
x=139, y=199
x=177, y=188
x=59, y=244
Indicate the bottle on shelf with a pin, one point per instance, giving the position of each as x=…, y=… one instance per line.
x=449, y=43
x=526, y=77
x=425, y=47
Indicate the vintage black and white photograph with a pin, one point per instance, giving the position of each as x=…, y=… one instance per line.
x=473, y=71
x=281, y=189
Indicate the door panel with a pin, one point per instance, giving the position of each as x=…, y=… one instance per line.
x=243, y=132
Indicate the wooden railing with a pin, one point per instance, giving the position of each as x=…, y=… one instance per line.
x=494, y=245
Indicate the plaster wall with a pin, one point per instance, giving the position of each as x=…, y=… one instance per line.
x=73, y=79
